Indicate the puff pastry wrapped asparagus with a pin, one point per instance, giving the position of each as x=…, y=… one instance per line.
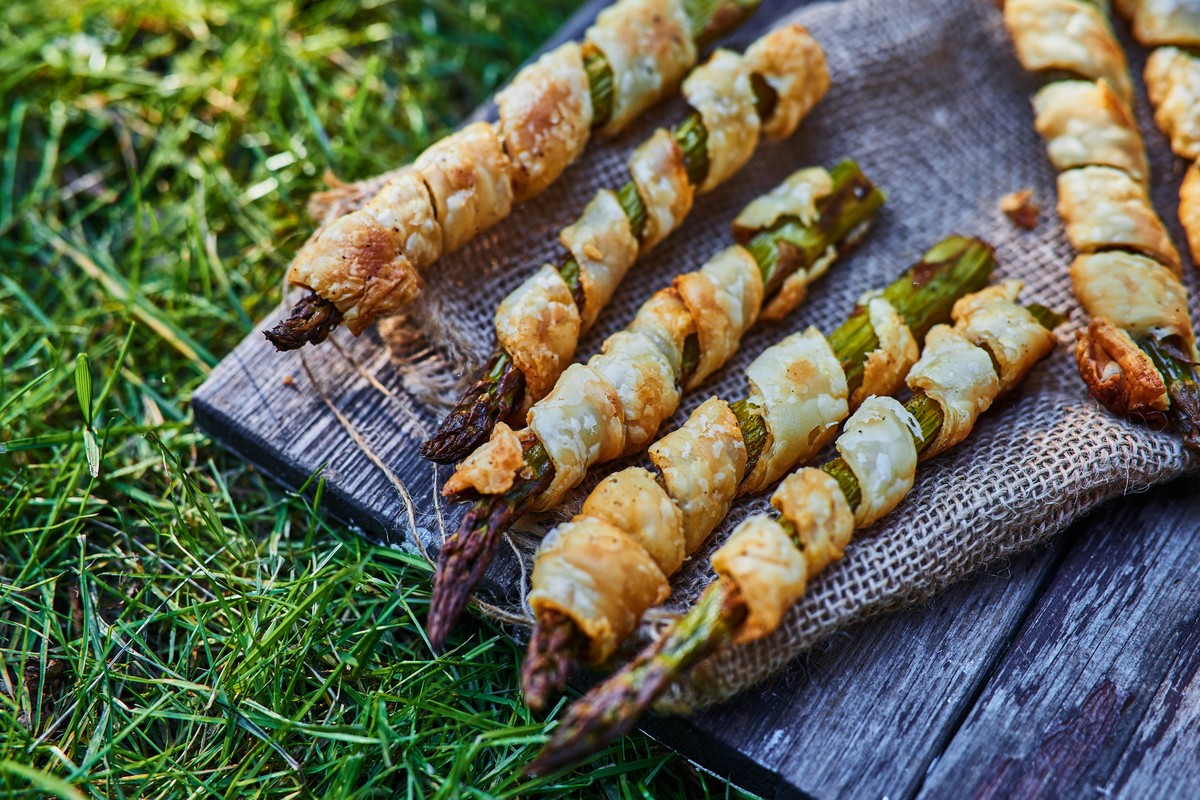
x=595, y=576
x=613, y=404
x=368, y=263
x=1173, y=82
x=764, y=566
x=734, y=98
x=1137, y=355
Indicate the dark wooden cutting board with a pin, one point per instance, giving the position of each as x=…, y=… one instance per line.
x=1071, y=672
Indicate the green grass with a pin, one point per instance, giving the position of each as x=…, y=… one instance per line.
x=170, y=624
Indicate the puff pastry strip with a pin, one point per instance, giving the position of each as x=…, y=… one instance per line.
x=1103, y=208
x=1173, y=83
x=1070, y=35
x=1158, y=22
x=1087, y=124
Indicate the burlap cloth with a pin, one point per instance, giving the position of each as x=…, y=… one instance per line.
x=929, y=99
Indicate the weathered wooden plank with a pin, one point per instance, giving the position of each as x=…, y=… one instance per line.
x=1097, y=695
x=1161, y=760
x=865, y=715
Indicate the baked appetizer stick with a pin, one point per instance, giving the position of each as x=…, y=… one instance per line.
x=734, y=98
x=763, y=567
x=1173, y=82
x=368, y=263
x=596, y=575
x=613, y=405
x=1163, y=22
x=1137, y=355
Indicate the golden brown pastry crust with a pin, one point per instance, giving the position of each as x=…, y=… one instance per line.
x=649, y=48
x=769, y=572
x=991, y=319
x=701, y=465
x=659, y=171
x=604, y=246
x=470, y=180
x=1071, y=35
x=491, y=469
x=1087, y=124
x=545, y=119
x=1189, y=210
x=538, y=325
x=811, y=500
x=635, y=502
x=363, y=262
x=1173, y=83
x=877, y=444
x=580, y=423
x=799, y=388
x=1119, y=374
x=724, y=298
x=793, y=64
x=1103, y=208
x=796, y=197
x=959, y=377
x=665, y=319
x=600, y=578
x=886, y=365
x=355, y=265
x=1157, y=22
x=720, y=91
x=1135, y=293
x=645, y=385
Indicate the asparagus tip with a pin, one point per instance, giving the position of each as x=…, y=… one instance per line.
x=554, y=649
x=606, y=713
x=311, y=321
x=612, y=708
x=461, y=564
x=491, y=399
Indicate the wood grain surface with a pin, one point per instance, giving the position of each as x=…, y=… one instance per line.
x=1072, y=673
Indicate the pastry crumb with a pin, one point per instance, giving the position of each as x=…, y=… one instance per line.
x=1020, y=208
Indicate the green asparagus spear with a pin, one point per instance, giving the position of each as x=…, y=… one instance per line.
x=710, y=19
x=1178, y=370
x=612, y=708
x=924, y=295
x=780, y=251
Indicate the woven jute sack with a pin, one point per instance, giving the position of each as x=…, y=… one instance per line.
x=928, y=98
